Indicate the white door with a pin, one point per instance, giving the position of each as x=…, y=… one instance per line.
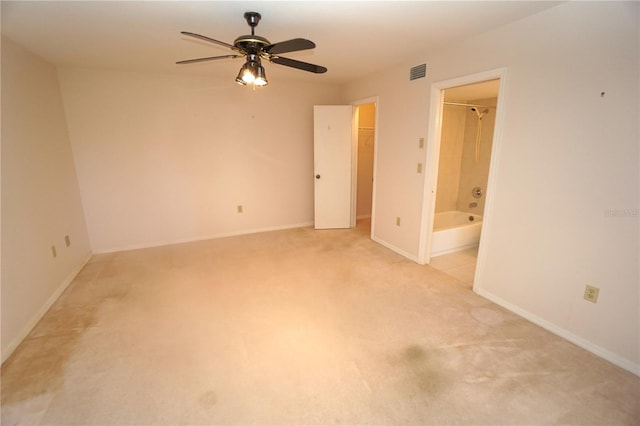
x=332, y=149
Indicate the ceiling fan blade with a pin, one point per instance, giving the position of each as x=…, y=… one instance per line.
x=205, y=38
x=292, y=45
x=210, y=58
x=298, y=64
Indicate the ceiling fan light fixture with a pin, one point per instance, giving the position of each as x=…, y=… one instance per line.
x=261, y=77
x=252, y=72
x=240, y=77
x=247, y=72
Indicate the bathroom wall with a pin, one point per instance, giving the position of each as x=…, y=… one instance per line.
x=366, y=137
x=458, y=171
x=449, y=167
x=475, y=174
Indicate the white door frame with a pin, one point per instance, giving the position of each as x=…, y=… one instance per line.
x=433, y=158
x=354, y=160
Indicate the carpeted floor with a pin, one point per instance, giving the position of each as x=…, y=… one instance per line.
x=296, y=327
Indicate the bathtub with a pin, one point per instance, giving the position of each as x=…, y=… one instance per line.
x=455, y=230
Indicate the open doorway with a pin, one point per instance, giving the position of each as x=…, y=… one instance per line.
x=468, y=119
x=364, y=163
x=461, y=159
x=364, y=176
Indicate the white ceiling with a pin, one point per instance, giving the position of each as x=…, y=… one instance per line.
x=353, y=38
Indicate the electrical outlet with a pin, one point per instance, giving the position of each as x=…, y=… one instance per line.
x=67, y=241
x=54, y=253
x=591, y=293
x=421, y=143
x=240, y=209
x=419, y=167
x=397, y=221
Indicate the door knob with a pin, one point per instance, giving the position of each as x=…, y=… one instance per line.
x=317, y=176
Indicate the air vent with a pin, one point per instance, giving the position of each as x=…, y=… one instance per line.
x=419, y=71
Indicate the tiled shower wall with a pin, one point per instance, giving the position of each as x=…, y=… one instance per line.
x=458, y=172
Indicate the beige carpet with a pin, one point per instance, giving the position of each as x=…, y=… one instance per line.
x=296, y=327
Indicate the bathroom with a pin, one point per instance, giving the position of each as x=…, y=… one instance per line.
x=468, y=120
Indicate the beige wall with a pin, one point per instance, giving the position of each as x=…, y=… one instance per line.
x=168, y=158
x=564, y=209
x=366, y=139
x=40, y=197
x=399, y=188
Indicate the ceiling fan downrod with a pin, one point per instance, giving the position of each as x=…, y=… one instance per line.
x=252, y=19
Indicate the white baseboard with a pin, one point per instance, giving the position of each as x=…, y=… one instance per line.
x=203, y=238
x=24, y=332
x=565, y=334
x=396, y=249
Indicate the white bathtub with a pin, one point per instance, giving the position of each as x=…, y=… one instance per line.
x=454, y=231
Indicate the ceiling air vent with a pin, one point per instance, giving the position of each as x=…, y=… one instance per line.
x=419, y=71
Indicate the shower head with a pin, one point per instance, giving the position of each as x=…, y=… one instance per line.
x=478, y=113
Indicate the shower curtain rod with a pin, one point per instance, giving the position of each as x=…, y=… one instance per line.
x=469, y=105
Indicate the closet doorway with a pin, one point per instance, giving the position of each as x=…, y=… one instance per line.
x=365, y=120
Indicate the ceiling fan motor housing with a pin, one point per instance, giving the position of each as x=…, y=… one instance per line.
x=250, y=43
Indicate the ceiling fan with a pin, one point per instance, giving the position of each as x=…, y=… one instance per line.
x=254, y=48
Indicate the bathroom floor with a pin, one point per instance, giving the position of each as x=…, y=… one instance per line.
x=460, y=265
